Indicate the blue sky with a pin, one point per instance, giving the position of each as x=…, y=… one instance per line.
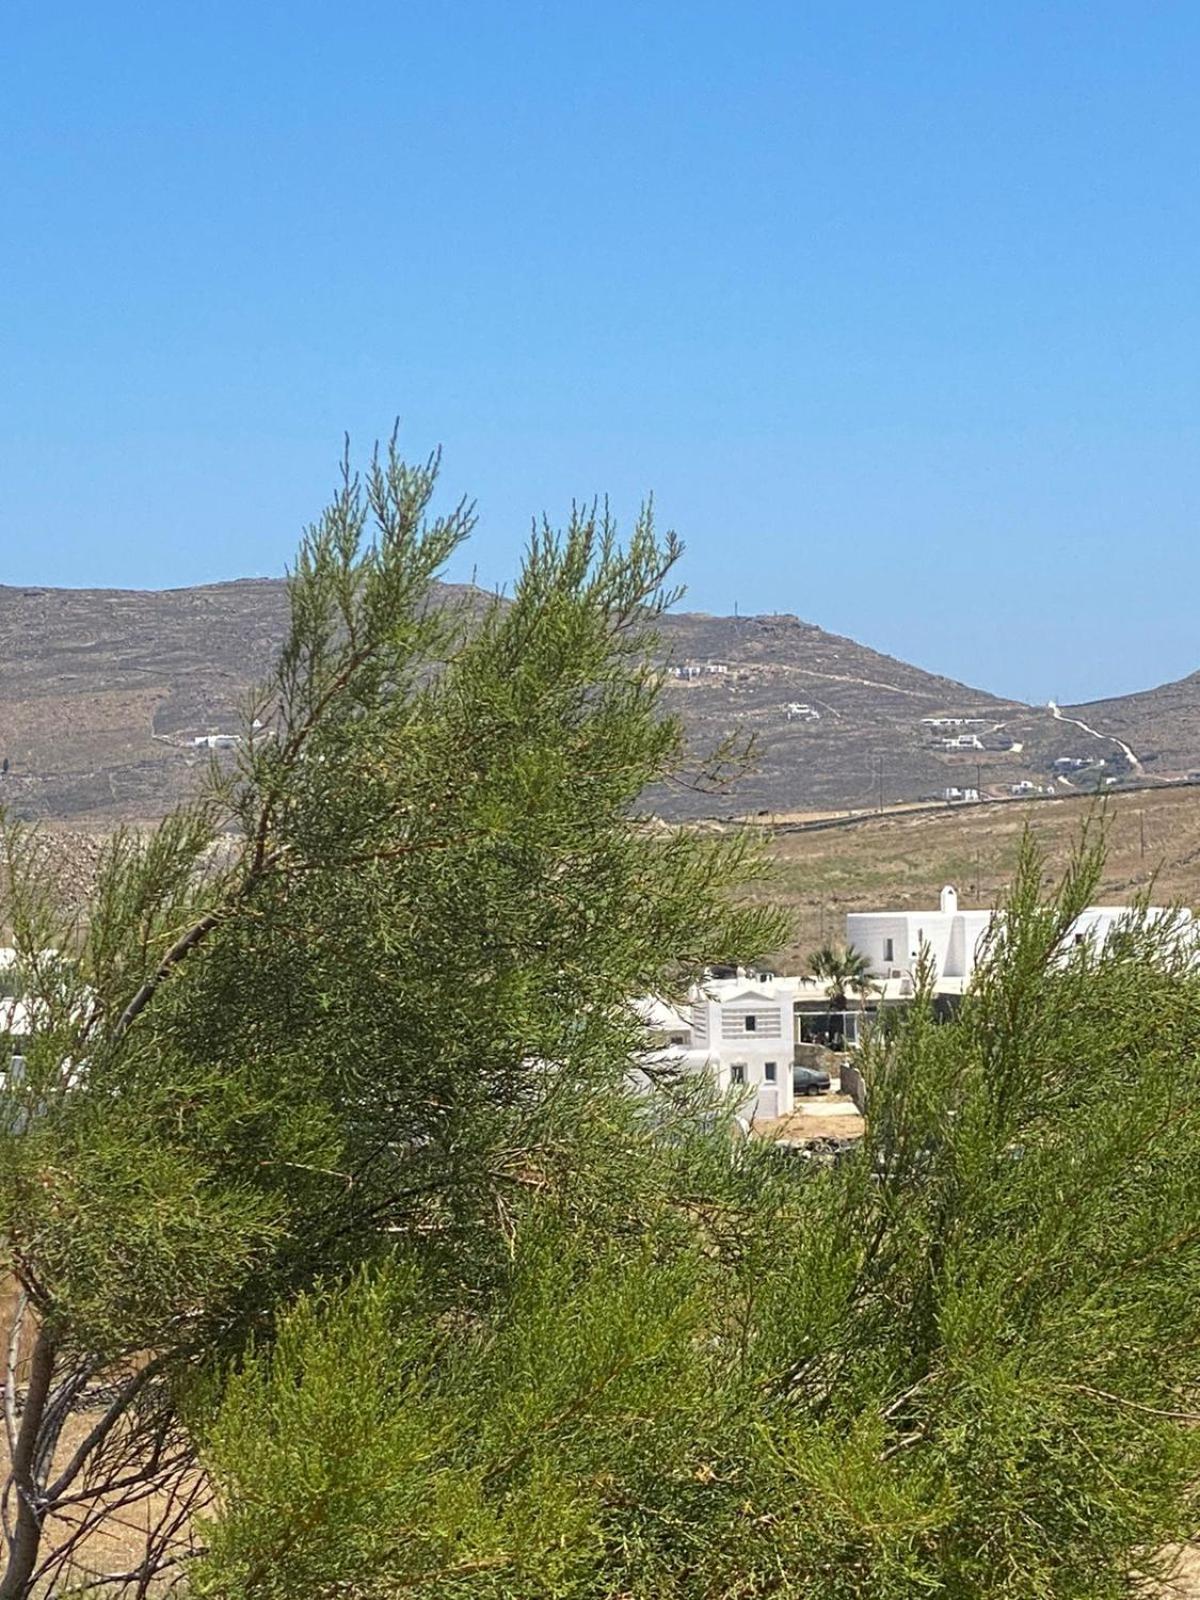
x=893, y=308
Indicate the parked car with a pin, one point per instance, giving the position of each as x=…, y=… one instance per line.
x=809, y=1080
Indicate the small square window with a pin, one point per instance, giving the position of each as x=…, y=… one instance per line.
x=769, y=1071
x=751, y=1024
x=737, y=1072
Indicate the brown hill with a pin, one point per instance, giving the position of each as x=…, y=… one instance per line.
x=1162, y=725
x=102, y=692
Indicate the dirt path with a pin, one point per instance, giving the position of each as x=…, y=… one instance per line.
x=1107, y=738
x=864, y=683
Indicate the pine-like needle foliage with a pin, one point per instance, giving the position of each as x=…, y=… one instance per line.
x=372, y=991
x=965, y=1363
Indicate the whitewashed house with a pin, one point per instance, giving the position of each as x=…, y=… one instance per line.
x=892, y=940
x=744, y=1034
x=667, y=1027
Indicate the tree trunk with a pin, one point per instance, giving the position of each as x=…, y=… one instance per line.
x=25, y=1541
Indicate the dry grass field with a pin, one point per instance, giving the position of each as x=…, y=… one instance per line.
x=903, y=859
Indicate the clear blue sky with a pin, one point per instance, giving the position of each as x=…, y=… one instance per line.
x=895, y=308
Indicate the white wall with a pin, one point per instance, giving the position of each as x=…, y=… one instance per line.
x=953, y=937
x=723, y=1043
x=956, y=938
x=869, y=931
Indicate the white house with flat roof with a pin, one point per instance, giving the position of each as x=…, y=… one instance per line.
x=744, y=1034
x=892, y=940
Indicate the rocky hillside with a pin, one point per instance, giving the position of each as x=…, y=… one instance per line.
x=1161, y=725
x=102, y=693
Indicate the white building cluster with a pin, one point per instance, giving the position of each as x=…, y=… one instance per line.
x=747, y=1030
x=953, y=940
x=700, y=669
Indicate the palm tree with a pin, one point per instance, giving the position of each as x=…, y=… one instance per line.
x=843, y=967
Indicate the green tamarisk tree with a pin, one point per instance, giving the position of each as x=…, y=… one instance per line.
x=964, y=1362
x=368, y=995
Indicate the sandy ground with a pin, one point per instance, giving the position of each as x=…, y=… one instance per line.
x=827, y=1116
x=122, y=1538
x=1184, y=1583
x=119, y=1542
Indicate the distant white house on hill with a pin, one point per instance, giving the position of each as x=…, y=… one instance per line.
x=217, y=741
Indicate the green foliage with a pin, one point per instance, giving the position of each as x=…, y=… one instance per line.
x=964, y=1363
x=843, y=968
x=325, y=1162
x=372, y=990
x=454, y=1455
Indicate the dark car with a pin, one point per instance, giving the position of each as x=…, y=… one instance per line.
x=809, y=1080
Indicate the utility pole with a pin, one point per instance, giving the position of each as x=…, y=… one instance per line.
x=1142, y=831
x=881, y=783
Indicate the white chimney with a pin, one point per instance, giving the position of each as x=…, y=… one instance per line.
x=949, y=901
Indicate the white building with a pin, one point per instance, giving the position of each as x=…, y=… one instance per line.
x=744, y=1034
x=892, y=940
x=668, y=1027
x=216, y=741
x=700, y=669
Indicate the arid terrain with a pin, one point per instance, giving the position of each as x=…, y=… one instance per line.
x=103, y=694
x=902, y=860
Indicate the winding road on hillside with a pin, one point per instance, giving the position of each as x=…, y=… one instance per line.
x=1107, y=738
